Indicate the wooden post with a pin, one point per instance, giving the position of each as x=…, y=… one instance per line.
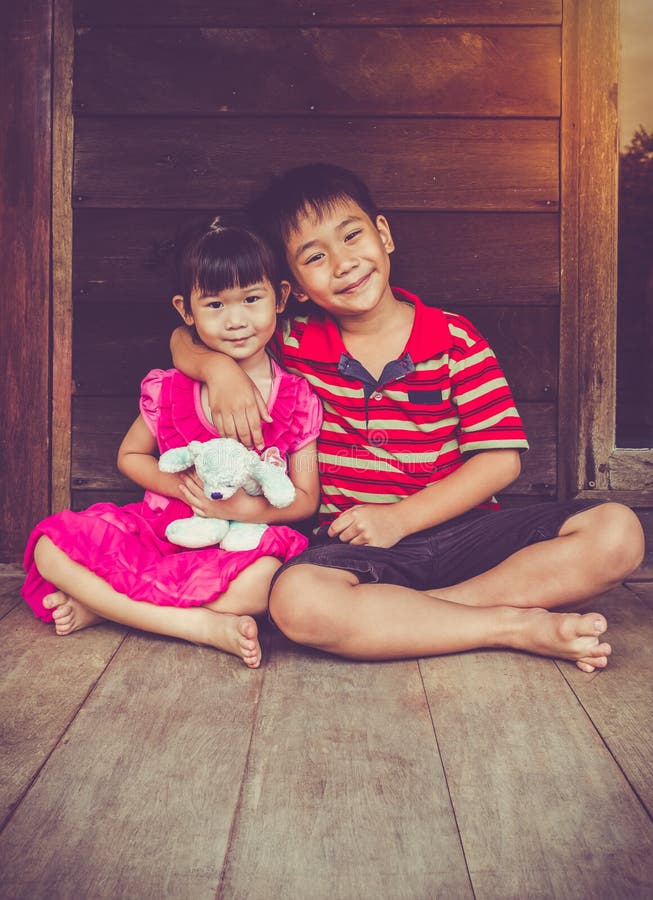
x=25, y=185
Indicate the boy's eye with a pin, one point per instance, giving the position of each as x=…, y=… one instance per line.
x=353, y=234
x=314, y=258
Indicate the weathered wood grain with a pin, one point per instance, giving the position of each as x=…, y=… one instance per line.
x=409, y=163
x=82, y=499
x=138, y=800
x=447, y=258
x=9, y=593
x=526, y=344
x=543, y=809
x=100, y=425
x=25, y=182
x=320, y=12
x=631, y=470
x=62, y=250
x=116, y=345
x=331, y=71
x=619, y=701
x=44, y=679
x=596, y=192
x=343, y=788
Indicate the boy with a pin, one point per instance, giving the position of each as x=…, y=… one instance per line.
x=411, y=557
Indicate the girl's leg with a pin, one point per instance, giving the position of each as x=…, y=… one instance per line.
x=328, y=609
x=595, y=550
x=83, y=592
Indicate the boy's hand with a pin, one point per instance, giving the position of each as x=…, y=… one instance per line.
x=373, y=524
x=237, y=409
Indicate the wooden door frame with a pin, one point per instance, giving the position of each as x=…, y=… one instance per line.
x=62, y=252
x=590, y=463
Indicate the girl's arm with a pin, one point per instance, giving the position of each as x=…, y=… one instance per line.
x=237, y=406
x=303, y=472
x=137, y=460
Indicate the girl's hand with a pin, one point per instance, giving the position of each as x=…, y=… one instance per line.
x=373, y=524
x=241, y=507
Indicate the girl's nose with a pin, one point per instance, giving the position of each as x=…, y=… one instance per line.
x=235, y=318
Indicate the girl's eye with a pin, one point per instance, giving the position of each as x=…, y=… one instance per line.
x=353, y=234
x=252, y=299
x=215, y=304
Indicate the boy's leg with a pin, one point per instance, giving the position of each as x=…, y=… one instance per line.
x=595, y=550
x=78, y=586
x=329, y=609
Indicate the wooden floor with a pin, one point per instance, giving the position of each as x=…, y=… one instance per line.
x=134, y=766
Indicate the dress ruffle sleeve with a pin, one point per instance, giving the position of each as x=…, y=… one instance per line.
x=308, y=414
x=150, y=402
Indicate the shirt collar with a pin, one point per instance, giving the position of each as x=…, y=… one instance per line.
x=322, y=341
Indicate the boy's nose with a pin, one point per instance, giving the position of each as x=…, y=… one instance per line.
x=345, y=262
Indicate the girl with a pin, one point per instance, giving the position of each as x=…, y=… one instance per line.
x=97, y=564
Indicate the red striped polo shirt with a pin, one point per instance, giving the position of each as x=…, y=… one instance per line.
x=385, y=439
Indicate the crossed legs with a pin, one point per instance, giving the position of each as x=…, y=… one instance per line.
x=507, y=606
x=83, y=599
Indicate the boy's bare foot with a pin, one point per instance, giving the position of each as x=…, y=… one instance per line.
x=237, y=635
x=566, y=636
x=69, y=614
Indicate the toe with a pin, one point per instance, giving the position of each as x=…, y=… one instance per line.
x=584, y=666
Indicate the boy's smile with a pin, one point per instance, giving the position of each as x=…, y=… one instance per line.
x=341, y=260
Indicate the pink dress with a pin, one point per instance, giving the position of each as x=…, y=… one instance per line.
x=126, y=545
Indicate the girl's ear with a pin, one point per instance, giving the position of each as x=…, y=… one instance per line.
x=282, y=295
x=384, y=230
x=178, y=303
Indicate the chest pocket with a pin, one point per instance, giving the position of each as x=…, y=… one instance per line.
x=425, y=398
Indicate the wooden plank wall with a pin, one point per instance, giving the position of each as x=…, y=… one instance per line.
x=450, y=111
x=25, y=176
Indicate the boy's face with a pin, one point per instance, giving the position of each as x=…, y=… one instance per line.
x=341, y=261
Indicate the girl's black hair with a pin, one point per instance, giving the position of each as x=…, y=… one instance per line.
x=214, y=255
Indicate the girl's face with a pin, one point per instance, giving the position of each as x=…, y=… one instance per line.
x=238, y=321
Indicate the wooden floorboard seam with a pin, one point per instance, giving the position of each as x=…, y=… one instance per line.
x=267, y=649
x=605, y=743
x=61, y=736
x=446, y=778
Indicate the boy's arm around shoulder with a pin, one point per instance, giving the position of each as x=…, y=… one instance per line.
x=237, y=406
x=383, y=525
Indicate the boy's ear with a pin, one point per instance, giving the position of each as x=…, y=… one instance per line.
x=383, y=228
x=178, y=303
x=284, y=293
x=299, y=295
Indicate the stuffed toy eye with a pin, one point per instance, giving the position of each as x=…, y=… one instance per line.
x=216, y=495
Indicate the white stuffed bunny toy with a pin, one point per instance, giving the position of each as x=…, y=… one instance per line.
x=224, y=465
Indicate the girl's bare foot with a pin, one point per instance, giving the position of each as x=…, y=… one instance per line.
x=69, y=614
x=564, y=635
x=237, y=635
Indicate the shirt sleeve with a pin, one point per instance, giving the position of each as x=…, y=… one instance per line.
x=150, y=402
x=488, y=416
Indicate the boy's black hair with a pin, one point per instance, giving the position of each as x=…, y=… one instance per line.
x=313, y=188
x=215, y=255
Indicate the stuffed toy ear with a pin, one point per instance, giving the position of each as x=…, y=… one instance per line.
x=176, y=460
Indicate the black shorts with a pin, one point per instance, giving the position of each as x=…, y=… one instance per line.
x=445, y=554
